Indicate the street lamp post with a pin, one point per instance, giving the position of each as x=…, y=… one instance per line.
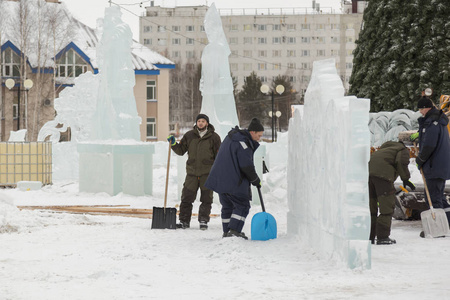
x=28, y=84
x=265, y=90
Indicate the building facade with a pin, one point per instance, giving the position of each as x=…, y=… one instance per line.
x=271, y=42
x=57, y=67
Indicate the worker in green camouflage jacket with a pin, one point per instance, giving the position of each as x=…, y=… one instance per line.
x=385, y=165
x=202, y=144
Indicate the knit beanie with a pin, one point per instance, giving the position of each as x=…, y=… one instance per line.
x=202, y=116
x=424, y=102
x=255, y=125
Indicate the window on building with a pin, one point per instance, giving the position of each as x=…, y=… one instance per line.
x=306, y=26
x=190, y=54
x=348, y=65
x=335, y=40
x=290, y=53
x=247, y=67
x=305, y=52
x=233, y=40
x=176, y=41
x=176, y=28
x=277, y=66
x=248, y=53
x=247, y=40
x=15, y=109
x=349, y=26
x=292, y=40
x=276, y=53
x=202, y=28
x=234, y=27
x=349, y=39
x=11, y=63
x=263, y=78
x=151, y=127
x=189, y=41
x=306, y=39
x=262, y=27
x=262, y=53
x=248, y=27
x=291, y=66
x=147, y=41
x=276, y=27
x=291, y=27
x=233, y=67
x=349, y=52
x=262, y=66
x=305, y=66
x=335, y=26
x=162, y=42
x=320, y=52
x=161, y=28
x=320, y=26
x=151, y=90
x=234, y=53
x=190, y=28
x=292, y=79
x=305, y=78
x=70, y=64
x=204, y=41
x=335, y=52
x=262, y=40
x=276, y=40
x=175, y=54
x=147, y=28
x=320, y=40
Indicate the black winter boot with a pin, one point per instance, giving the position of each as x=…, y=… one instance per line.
x=386, y=241
x=183, y=225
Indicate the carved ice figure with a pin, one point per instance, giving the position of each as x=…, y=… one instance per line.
x=216, y=83
x=116, y=115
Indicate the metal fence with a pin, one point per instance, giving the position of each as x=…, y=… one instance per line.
x=25, y=161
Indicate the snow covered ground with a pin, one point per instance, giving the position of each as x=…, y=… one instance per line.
x=46, y=255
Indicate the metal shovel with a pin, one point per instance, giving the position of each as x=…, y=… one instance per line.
x=434, y=221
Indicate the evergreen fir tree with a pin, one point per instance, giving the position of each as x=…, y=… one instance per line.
x=402, y=49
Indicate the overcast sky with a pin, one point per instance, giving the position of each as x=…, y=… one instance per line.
x=88, y=11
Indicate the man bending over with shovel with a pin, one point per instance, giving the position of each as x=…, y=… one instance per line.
x=385, y=165
x=434, y=152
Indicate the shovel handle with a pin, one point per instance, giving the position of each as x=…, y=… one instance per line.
x=426, y=187
x=261, y=199
x=167, y=178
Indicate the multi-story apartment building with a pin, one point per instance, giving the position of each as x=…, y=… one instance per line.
x=271, y=42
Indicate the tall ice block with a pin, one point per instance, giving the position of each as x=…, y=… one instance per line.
x=116, y=168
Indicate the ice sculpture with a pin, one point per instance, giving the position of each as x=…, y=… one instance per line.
x=216, y=83
x=116, y=116
x=329, y=148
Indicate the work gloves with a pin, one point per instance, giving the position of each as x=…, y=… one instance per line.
x=410, y=184
x=171, y=140
x=419, y=163
x=413, y=137
x=256, y=182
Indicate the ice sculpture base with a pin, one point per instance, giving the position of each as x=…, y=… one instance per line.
x=116, y=168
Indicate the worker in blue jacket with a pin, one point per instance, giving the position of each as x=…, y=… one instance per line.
x=434, y=152
x=232, y=173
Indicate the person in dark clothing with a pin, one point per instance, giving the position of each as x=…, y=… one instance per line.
x=232, y=173
x=434, y=152
x=202, y=144
x=385, y=165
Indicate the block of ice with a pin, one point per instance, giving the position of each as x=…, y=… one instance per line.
x=216, y=83
x=329, y=148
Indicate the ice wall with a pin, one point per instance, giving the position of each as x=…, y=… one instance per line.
x=329, y=148
x=216, y=83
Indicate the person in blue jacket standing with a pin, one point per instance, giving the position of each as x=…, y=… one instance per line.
x=434, y=152
x=232, y=173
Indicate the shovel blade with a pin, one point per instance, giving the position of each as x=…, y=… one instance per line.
x=264, y=227
x=434, y=227
x=164, y=218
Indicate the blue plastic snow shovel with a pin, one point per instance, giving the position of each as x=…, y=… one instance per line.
x=264, y=226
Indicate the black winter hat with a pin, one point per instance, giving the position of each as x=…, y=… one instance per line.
x=424, y=102
x=202, y=116
x=255, y=125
